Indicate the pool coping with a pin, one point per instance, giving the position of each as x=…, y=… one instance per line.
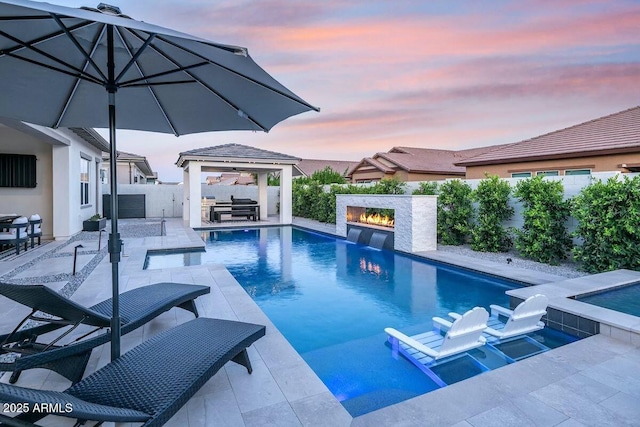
x=562, y=294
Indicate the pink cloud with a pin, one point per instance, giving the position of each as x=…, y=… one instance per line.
x=482, y=75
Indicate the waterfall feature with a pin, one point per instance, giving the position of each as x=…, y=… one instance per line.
x=354, y=235
x=378, y=239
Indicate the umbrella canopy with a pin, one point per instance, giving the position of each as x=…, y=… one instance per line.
x=54, y=72
x=66, y=67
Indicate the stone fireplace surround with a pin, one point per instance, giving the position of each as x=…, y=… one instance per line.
x=415, y=218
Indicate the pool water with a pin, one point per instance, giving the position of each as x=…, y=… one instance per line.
x=332, y=300
x=625, y=299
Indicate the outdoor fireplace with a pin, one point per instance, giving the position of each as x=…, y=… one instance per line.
x=412, y=228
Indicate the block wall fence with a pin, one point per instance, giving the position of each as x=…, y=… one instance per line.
x=169, y=197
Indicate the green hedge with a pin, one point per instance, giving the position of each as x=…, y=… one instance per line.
x=488, y=235
x=455, y=212
x=544, y=236
x=311, y=201
x=608, y=215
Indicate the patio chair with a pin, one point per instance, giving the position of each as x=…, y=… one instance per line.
x=524, y=319
x=149, y=383
x=16, y=234
x=35, y=228
x=137, y=307
x=464, y=334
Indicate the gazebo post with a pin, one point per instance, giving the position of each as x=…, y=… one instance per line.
x=263, y=192
x=286, y=199
x=195, y=195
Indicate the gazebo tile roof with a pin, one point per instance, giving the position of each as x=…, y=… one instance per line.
x=238, y=151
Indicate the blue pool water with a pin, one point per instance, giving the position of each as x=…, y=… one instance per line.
x=625, y=299
x=332, y=300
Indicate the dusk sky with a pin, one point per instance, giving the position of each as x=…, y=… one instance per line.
x=433, y=74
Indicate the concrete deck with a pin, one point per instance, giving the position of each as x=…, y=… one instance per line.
x=592, y=382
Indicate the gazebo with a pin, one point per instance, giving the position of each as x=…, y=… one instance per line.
x=235, y=158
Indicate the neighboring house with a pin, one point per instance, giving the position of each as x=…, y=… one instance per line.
x=610, y=143
x=132, y=169
x=308, y=167
x=67, y=169
x=413, y=164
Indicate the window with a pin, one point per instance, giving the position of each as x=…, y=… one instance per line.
x=547, y=173
x=577, y=172
x=84, y=181
x=17, y=170
x=521, y=175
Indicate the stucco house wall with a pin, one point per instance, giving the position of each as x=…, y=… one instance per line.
x=603, y=163
x=28, y=201
x=56, y=196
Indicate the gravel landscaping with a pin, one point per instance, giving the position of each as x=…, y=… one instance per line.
x=128, y=229
x=567, y=269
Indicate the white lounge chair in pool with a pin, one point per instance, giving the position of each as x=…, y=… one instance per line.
x=524, y=319
x=464, y=334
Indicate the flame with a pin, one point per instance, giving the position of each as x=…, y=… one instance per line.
x=377, y=219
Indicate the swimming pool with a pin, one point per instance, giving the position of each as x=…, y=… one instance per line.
x=625, y=299
x=332, y=300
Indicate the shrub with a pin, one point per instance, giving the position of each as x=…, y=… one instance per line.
x=544, y=236
x=310, y=200
x=328, y=176
x=492, y=196
x=304, y=198
x=273, y=179
x=428, y=188
x=609, y=216
x=455, y=212
x=388, y=186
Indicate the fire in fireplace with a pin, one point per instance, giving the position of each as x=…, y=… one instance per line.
x=365, y=216
x=376, y=219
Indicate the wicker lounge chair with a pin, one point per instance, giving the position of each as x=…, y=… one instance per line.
x=151, y=382
x=137, y=307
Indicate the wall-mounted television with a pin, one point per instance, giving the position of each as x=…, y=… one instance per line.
x=17, y=170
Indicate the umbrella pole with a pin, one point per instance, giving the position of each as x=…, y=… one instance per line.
x=115, y=243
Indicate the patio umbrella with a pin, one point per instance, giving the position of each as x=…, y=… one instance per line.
x=67, y=67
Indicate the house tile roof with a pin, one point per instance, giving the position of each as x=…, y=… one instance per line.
x=424, y=161
x=140, y=161
x=615, y=133
x=238, y=151
x=370, y=161
x=309, y=166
